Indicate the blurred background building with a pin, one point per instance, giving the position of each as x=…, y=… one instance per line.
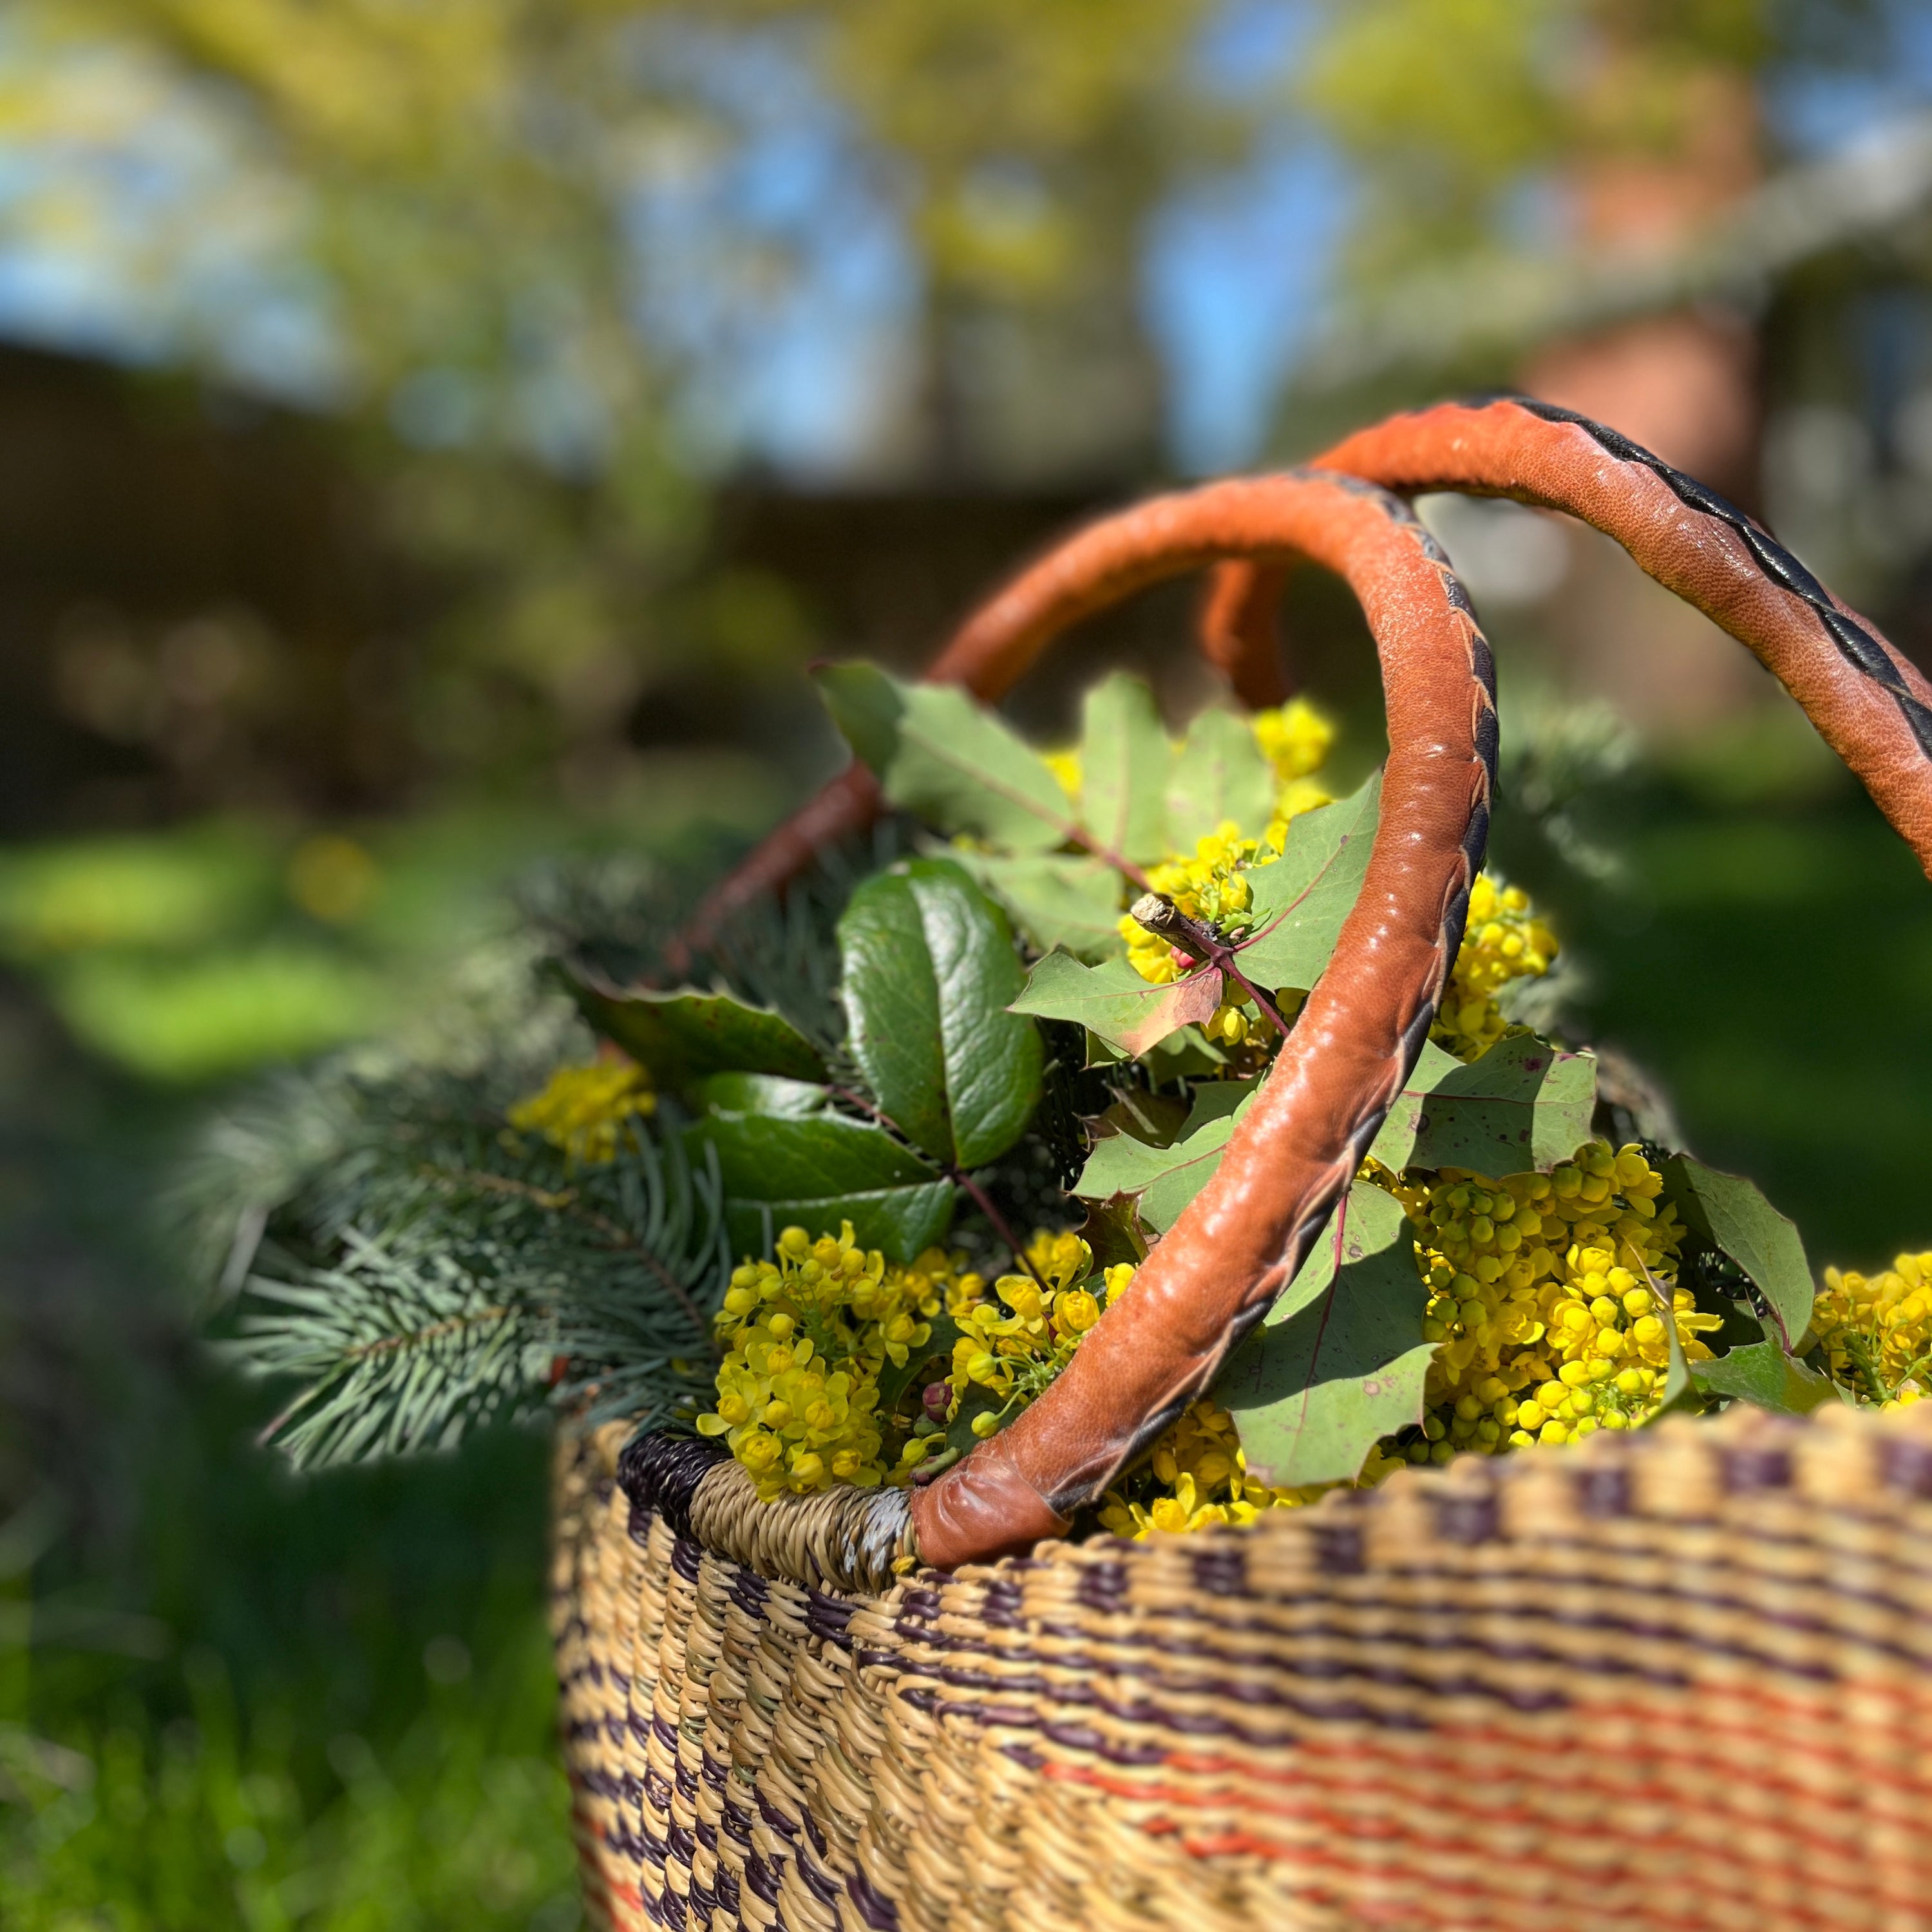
x=436, y=432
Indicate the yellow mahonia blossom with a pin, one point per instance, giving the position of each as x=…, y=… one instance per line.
x=1065, y=765
x=807, y=1334
x=1211, y=887
x=1295, y=739
x=1013, y=1344
x=1503, y=940
x=1199, y=1475
x=1876, y=1330
x=582, y=1109
x=1540, y=1301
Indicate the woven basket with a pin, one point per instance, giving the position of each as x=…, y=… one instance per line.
x=1673, y=1679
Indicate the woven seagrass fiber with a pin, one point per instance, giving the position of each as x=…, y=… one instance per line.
x=1675, y=1679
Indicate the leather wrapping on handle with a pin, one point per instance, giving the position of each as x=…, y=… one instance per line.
x=1871, y=705
x=1217, y=1270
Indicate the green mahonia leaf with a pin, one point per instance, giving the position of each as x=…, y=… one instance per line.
x=1731, y=1213
x=1113, y=1001
x=1524, y=1105
x=1124, y=770
x=1762, y=1373
x=1339, y=1361
x=759, y=1093
x=814, y=1172
x=683, y=1035
x=950, y=761
x=1219, y=773
x=1056, y=898
x=1163, y=1180
x=929, y=972
x=1300, y=901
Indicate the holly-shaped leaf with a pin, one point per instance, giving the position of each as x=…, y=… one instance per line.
x=1113, y=1001
x=1731, y=1213
x=813, y=1172
x=1162, y=1181
x=951, y=761
x=929, y=974
x=1299, y=902
x=1762, y=1373
x=1069, y=900
x=1339, y=1361
x=1524, y=1104
x=687, y=1033
x=1220, y=773
x=1124, y=769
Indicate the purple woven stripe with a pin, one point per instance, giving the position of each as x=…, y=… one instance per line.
x=873, y=1906
x=1246, y=1689
x=826, y=1617
x=1222, y=1571
x=824, y=1888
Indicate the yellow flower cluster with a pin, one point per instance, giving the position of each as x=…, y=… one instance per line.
x=1876, y=1330
x=1541, y=1301
x=1295, y=739
x=1503, y=940
x=807, y=1334
x=1014, y=1345
x=1203, y=1478
x=582, y=1109
x=1212, y=886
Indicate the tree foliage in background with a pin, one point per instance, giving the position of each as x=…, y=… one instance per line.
x=1447, y=109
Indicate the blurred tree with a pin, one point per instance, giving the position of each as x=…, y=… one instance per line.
x=1031, y=144
x=428, y=218
x=1456, y=114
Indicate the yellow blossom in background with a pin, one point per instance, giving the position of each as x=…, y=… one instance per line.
x=1503, y=940
x=1294, y=738
x=1065, y=765
x=1877, y=1330
x=1540, y=1301
x=582, y=1109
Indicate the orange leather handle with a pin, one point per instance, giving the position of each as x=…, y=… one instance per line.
x=1219, y=1267
x=1871, y=705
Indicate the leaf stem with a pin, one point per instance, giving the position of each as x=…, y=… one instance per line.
x=958, y=1175
x=1161, y=917
x=984, y=1202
